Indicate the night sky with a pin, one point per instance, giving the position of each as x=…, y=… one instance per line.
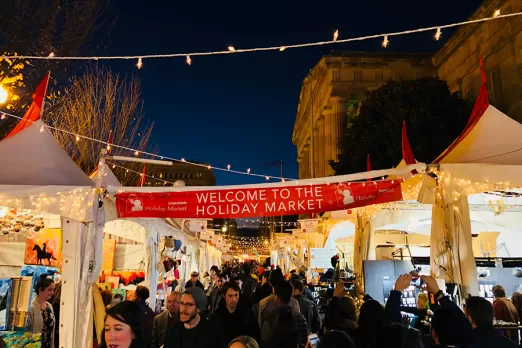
x=240, y=109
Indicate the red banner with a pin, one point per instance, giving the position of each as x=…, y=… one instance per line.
x=254, y=202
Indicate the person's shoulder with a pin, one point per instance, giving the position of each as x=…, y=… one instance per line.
x=161, y=316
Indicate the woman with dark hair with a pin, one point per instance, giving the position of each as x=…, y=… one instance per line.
x=124, y=326
x=41, y=314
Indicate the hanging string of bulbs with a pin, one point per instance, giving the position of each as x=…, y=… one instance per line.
x=232, y=50
x=137, y=153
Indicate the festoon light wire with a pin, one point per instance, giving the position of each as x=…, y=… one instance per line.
x=261, y=49
x=79, y=136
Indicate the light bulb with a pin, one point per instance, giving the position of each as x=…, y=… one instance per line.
x=228, y=167
x=385, y=42
x=497, y=13
x=248, y=170
x=189, y=60
x=282, y=48
x=183, y=160
x=231, y=49
x=51, y=54
x=336, y=35
x=209, y=167
x=438, y=34
x=3, y=117
x=4, y=94
x=136, y=153
x=140, y=63
x=77, y=138
x=267, y=178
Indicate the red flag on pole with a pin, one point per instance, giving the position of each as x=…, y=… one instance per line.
x=143, y=176
x=35, y=110
x=407, y=152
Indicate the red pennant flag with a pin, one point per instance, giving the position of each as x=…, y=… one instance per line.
x=35, y=110
x=143, y=177
x=481, y=104
x=407, y=152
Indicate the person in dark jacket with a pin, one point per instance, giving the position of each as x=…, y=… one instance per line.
x=249, y=286
x=237, y=319
x=308, y=308
x=480, y=314
x=194, y=281
x=194, y=330
x=142, y=294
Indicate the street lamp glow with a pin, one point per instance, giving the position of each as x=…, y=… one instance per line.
x=3, y=95
x=224, y=229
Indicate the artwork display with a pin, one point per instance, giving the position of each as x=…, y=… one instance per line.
x=44, y=248
x=131, y=295
x=130, y=277
x=108, y=252
x=22, y=339
x=5, y=294
x=114, y=280
x=122, y=292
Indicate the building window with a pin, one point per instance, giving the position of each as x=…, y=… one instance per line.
x=161, y=175
x=498, y=92
x=357, y=75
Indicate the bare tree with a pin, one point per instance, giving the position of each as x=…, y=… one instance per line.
x=97, y=103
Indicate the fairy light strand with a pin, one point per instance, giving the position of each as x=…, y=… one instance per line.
x=232, y=49
x=136, y=153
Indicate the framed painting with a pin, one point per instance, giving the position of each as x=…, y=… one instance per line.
x=44, y=248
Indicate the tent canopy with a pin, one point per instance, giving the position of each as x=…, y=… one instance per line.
x=494, y=139
x=33, y=157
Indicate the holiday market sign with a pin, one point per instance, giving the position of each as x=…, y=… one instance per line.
x=253, y=202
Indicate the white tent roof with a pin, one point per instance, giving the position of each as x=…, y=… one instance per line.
x=108, y=177
x=33, y=157
x=495, y=139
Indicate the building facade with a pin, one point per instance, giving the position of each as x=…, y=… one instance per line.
x=499, y=43
x=331, y=93
x=192, y=175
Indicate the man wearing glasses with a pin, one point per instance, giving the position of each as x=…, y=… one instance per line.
x=194, y=330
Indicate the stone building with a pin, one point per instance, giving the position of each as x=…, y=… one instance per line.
x=332, y=91
x=192, y=175
x=499, y=42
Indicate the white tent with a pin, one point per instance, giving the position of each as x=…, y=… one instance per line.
x=37, y=174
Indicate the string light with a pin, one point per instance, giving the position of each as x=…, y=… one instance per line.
x=42, y=129
x=496, y=14
x=189, y=60
x=271, y=48
x=136, y=153
x=282, y=48
x=385, y=42
x=77, y=138
x=51, y=55
x=248, y=170
x=140, y=63
x=3, y=116
x=228, y=167
x=438, y=34
x=336, y=35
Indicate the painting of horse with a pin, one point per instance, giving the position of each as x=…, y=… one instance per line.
x=44, y=248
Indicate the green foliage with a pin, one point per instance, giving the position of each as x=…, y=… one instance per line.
x=434, y=118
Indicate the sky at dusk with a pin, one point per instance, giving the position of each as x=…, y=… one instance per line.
x=240, y=109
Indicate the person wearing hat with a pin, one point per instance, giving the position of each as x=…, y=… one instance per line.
x=194, y=330
x=194, y=281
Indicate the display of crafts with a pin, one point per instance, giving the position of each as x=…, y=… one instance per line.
x=22, y=339
x=20, y=223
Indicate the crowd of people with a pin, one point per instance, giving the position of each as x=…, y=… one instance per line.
x=250, y=306
x=244, y=306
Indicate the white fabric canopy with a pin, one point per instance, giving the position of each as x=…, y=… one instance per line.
x=108, y=177
x=33, y=157
x=494, y=139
